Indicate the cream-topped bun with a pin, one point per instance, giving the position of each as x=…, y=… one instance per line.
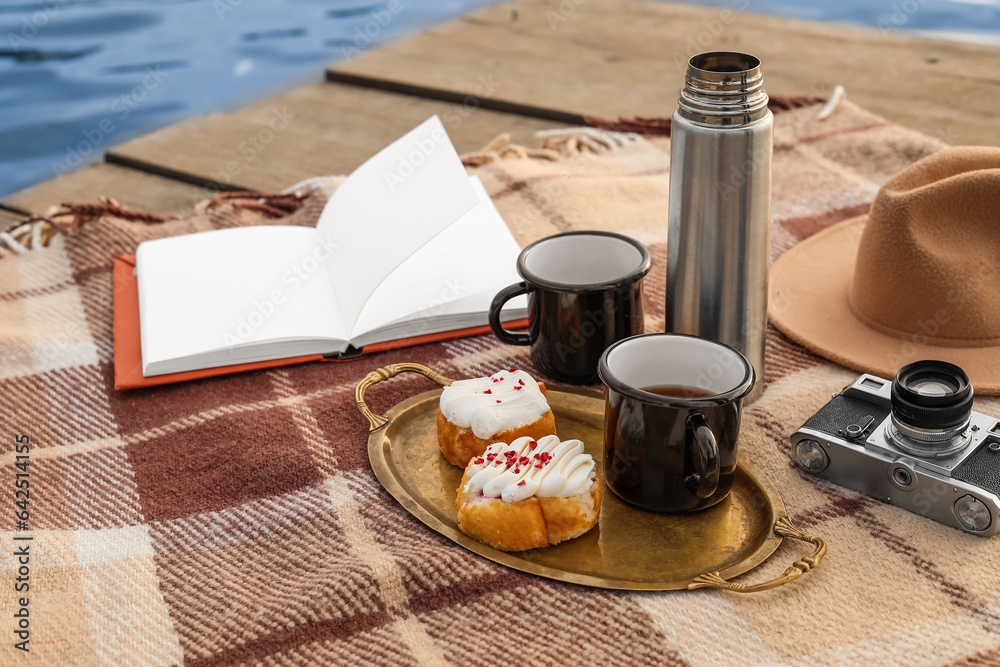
x=501, y=407
x=529, y=494
x=498, y=402
x=546, y=468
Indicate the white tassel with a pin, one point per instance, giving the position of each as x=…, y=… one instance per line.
x=831, y=104
x=326, y=183
x=12, y=243
x=589, y=137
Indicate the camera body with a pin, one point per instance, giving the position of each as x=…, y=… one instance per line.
x=858, y=440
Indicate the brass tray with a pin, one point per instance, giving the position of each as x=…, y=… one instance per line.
x=629, y=549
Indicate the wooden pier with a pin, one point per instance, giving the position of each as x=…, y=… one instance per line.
x=525, y=66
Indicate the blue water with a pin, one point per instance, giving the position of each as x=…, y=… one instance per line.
x=79, y=76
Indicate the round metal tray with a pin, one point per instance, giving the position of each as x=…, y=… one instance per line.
x=629, y=549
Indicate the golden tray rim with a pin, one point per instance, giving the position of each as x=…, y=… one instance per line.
x=380, y=458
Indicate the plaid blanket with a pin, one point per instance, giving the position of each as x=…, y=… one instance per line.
x=236, y=519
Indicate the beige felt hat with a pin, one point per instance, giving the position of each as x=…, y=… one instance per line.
x=916, y=278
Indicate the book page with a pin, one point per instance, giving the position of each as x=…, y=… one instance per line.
x=388, y=209
x=457, y=272
x=216, y=296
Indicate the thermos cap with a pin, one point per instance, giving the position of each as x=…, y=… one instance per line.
x=723, y=88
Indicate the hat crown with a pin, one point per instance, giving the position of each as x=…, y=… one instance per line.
x=928, y=264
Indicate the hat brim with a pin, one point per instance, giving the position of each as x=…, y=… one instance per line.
x=808, y=302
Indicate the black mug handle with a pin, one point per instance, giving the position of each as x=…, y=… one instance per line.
x=502, y=297
x=705, y=479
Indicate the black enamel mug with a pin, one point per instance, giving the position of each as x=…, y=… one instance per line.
x=584, y=293
x=672, y=420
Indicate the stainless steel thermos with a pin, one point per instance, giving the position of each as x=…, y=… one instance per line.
x=720, y=206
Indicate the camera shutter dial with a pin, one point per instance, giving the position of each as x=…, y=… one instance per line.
x=972, y=513
x=811, y=456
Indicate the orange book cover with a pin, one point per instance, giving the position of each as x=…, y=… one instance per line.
x=128, y=349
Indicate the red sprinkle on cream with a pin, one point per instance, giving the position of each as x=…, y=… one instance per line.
x=488, y=391
x=499, y=401
x=523, y=460
x=517, y=388
x=521, y=382
x=532, y=445
x=512, y=370
x=521, y=483
x=478, y=462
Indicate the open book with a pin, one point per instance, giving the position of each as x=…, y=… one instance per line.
x=408, y=245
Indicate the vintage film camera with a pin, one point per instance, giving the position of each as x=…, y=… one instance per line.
x=914, y=442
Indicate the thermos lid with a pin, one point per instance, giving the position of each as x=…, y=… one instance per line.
x=723, y=88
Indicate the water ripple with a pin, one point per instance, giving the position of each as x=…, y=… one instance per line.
x=40, y=55
x=273, y=34
x=141, y=67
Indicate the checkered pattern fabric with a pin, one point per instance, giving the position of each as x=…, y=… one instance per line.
x=236, y=519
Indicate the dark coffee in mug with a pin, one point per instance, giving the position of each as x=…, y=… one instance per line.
x=584, y=293
x=672, y=420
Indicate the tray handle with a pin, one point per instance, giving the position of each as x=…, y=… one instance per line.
x=783, y=527
x=384, y=373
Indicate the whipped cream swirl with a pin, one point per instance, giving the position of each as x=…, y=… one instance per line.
x=546, y=468
x=493, y=404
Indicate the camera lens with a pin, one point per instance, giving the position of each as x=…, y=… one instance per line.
x=931, y=406
x=932, y=395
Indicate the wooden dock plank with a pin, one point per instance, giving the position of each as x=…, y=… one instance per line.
x=131, y=188
x=624, y=58
x=8, y=218
x=315, y=130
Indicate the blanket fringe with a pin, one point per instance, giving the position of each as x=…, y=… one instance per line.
x=38, y=231
x=81, y=214
x=600, y=135
x=500, y=148
x=325, y=185
x=574, y=140
x=556, y=144
x=31, y=233
x=660, y=126
x=831, y=105
x=269, y=205
x=637, y=125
